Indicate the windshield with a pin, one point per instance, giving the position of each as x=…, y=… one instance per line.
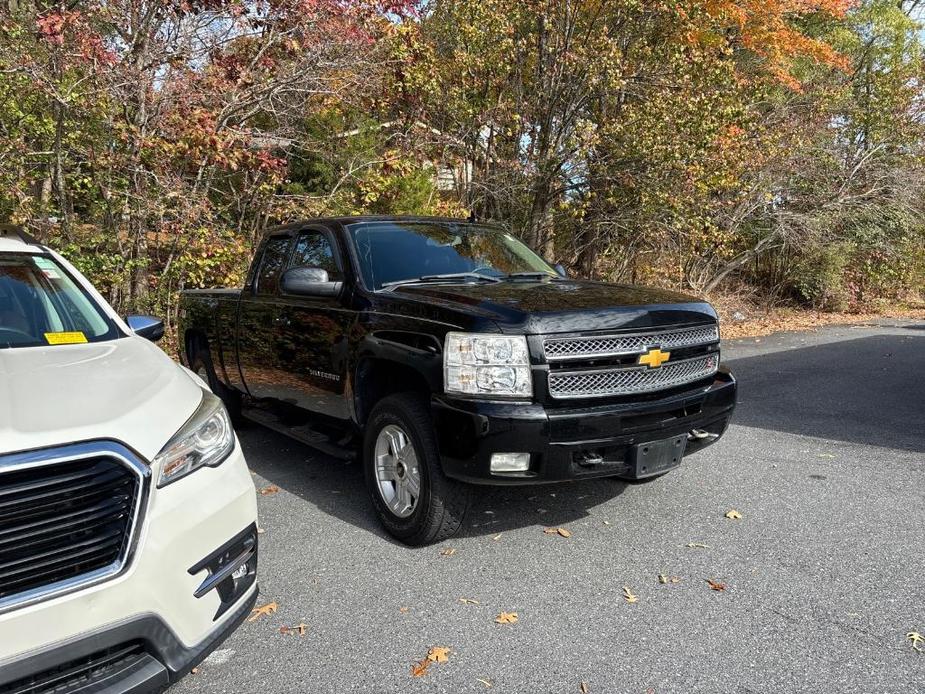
x=394, y=251
x=41, y=305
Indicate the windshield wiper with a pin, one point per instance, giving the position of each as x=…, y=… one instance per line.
x=423, y=279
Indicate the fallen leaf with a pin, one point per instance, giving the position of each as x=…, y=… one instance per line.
x=272, y=489
x=194, y=671
x=825, y=455
x=506, y=618
x=606, y=522
x=916, y=638
x=716, y=585
x=732, y=514
x=662, y=578
x=698, y=545
x=263, y=610
x=403, y=610
x=557, y=531
x=260, y=531
x=469, y=601
x=448, y=552
x=629, y=596
x=583, y=688
x=420, y=668
x=438, y=654
x=495, y=538
x=297, y=629
x=487, y=683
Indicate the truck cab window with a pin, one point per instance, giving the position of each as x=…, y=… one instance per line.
x=274, y=258
x=313, y=249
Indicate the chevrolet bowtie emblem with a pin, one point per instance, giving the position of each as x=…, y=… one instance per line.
x=654, y=358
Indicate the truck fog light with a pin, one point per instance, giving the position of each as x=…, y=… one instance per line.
x=510, y=462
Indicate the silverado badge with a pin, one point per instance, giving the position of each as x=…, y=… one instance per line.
x=654, y=358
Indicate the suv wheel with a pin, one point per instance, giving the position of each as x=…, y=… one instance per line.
x=201, y=365
x=415, y=501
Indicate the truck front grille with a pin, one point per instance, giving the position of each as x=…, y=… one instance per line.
x=64, y=520
x=598, y=346
x=630, y=380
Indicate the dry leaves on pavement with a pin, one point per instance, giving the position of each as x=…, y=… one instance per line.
x=404, y=610
x=629, y=596
x=448, y=552
x=697, y=545
x=506, y=618
x=496, y=538
x=662, y=578
x=916, y=638
x=437, y=654
x=487, y=683
x=272, y=489
x=469, y=601
x=263, y=610
x=297, y=629
x=716, y=585
x=583, y=688
x=558, y=531
x=732, y=514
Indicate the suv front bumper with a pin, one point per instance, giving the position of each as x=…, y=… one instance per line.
x=145, y=628
x=561, y=441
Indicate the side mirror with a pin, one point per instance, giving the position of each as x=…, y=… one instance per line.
x=148, y=327
x=560, y=269
x=308, y=281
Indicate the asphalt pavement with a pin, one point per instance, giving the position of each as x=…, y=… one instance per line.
x=824, y=572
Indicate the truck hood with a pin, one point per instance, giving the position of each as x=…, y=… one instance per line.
x=125, y=389
x=534, y=307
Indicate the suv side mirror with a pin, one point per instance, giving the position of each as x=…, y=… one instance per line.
x=560, y=269
x=308, y=281
x=148, y=327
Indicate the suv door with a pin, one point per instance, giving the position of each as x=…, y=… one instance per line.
x=313, y=343
x=260, y=322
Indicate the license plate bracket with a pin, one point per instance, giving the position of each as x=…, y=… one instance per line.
x=656, y=457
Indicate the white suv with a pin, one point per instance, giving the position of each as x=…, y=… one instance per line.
x=128, y=535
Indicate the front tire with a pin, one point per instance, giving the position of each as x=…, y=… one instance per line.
x=201, y=365
x=414, y=500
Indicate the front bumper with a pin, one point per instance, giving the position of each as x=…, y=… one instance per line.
x=146, y=624
x=562, y=441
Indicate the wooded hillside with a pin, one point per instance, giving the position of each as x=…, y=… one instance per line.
x=771, y=147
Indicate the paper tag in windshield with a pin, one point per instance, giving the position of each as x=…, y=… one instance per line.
x=73, y=338
x=48, y=268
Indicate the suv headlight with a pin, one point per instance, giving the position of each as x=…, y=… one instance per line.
x=493, y=365
x=207, y=438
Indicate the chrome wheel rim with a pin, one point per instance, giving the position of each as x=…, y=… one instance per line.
x=398, y=476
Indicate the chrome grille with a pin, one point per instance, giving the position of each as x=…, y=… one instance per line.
x=560, y=348
x=67, y=518
x=632, y=380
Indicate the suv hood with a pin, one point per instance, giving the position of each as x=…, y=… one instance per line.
x=125, y=389
x=543, y=307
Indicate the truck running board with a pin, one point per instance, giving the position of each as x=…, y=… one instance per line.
x=304, y=433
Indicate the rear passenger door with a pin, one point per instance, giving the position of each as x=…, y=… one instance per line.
x=313, y=344
x=260, y=321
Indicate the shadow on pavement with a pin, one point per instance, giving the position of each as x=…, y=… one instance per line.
x=338, y=488
x=870, y=390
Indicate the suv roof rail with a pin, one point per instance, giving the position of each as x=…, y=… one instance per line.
x=17, y=232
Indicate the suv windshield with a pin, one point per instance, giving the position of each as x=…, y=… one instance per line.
x=40, y=304
x=394, y=251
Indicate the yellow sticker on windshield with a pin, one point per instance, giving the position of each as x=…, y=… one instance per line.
x=65, y=338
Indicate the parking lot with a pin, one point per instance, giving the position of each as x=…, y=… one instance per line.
x=824, y=572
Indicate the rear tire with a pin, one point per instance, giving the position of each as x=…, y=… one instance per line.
x=401, y=458
x=201, y=365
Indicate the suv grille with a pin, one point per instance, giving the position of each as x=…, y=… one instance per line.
x=631, y=380
x=80, y=674
x=63, y=521
x=560, y=348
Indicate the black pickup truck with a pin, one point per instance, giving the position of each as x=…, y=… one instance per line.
x=445, y=353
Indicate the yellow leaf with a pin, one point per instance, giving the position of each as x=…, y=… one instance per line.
x=629, y=596
x=916, y=638
x=733, y=514
x=438, y=654
x=506, y=618
x=448, y=552
x=263, y=610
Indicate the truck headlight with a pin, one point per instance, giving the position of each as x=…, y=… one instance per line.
x=206, y=439
x=494, y=365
